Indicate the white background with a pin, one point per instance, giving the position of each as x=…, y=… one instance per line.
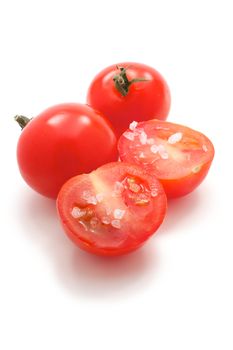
x=176, y=292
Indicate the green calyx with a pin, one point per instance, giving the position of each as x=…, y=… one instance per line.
x=122, y=83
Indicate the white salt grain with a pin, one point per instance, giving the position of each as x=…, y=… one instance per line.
x=174, y=138
x=86, y=195
x=89, y=198
x=94, y=222
x=154, y=149
x=92, y=200
x=154, y=193
x=143, y=137
x=106, y=220
x=77, y=212
x=141, y=155
x=133, y=125
x=118, y=213
x=204, y=147
x=162, y=152
x=116, y=223
x=129, y=135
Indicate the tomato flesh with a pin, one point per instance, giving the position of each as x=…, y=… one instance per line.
x=178, y=156
x=64, y=141
x=112, y=210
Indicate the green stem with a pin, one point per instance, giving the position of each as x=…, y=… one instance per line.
x=122, y=83
x=22, y=120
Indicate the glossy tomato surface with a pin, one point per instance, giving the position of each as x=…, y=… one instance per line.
x=122, y=98
x=177, y=155
x=61, y=142
x=112, y=210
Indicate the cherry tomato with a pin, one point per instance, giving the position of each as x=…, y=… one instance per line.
x=178, y=156
x=112, y=210
x=61, y=142
x=127, y=92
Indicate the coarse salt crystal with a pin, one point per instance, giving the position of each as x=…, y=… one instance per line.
x=92, y=200
x=94, y=222
x=174, y=138
x=143, y=137
x=154, y=149
x=141, y=155
x=116, y=223
x=133, y=125
x=204, y=147
x=106, y=220
x=89, y=198
x=164, y=155
x=118, y=213
x=129, y=135
x=154, y=193
x=77, y=212
x=162, y=152
x=86, y=195
x=142, y=199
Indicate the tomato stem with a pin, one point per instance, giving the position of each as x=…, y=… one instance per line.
x=22, y=120
x=122, y=83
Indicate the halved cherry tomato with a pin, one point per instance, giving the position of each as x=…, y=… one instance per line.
x=129, y=91
x=112, y=210
x=61, y=142
x=178, y=156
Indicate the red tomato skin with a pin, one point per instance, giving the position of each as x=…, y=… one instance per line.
x=94, y=248
x=175, y=188
x=144, y=101
x=61, y=142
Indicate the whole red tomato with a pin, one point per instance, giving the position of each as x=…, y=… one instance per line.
x=129, y=91
x=61, y=142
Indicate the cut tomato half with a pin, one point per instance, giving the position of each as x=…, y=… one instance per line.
x=113, y=210
x=177, y=155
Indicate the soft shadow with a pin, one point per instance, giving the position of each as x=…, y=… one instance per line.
x=103, y=277
x=181, y=210
x=81, y=273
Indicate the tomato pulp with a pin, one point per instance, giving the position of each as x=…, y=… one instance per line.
x=129, y=91
x=61, y=142
x=113, y=210
x=177, y=155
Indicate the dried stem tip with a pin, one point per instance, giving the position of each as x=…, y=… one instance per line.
x=22, y=120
